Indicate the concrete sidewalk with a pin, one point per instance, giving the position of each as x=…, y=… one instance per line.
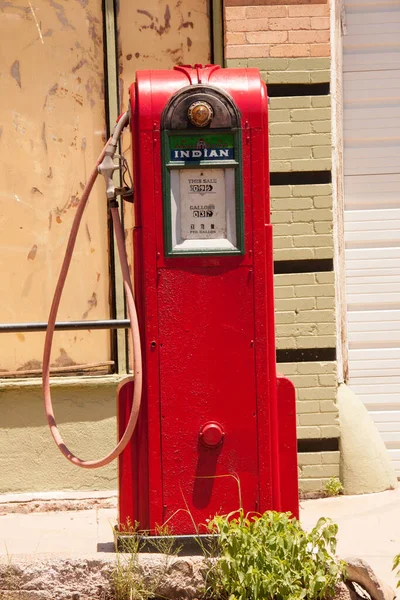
x=369, y=528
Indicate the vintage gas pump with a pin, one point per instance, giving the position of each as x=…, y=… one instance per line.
x=213, y=409
x=216, y=423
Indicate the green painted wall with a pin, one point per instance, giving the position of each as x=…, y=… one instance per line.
x=30, y=461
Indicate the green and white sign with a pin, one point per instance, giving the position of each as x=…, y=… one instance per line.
x=195, y=148
x=203, y=202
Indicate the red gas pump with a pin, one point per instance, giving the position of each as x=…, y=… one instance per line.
x=216, y=427
x=213, y=409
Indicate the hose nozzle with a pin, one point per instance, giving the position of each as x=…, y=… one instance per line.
x=107, y=165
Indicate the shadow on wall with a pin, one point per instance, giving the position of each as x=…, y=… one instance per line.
x=76, y=402
x=29, y=459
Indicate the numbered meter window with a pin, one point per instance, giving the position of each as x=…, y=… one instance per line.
x=202, y=194
x=203, y=209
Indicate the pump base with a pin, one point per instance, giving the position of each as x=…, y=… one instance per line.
x=180, y=545
x=133, y=506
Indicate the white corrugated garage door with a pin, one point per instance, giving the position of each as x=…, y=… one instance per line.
x=372, y=209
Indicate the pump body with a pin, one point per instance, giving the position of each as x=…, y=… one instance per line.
x=216, y=429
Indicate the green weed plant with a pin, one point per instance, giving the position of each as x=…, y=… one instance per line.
x=129, y=582
x=396, y=565
x=333, y=487
x=270, y=557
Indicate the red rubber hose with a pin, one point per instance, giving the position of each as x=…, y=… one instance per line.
x=134, y=332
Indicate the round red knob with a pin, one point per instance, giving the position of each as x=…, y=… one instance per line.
x=211, y=434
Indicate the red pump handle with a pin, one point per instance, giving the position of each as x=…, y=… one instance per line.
x=134, y=329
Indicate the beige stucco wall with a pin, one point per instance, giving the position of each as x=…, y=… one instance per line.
x=30, y=461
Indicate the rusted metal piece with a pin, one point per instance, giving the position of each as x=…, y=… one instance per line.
x=88, y=367
x=225, y=115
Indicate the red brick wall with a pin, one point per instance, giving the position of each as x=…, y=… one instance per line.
x=276, y=30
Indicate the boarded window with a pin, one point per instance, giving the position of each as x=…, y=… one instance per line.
x=53, y=128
